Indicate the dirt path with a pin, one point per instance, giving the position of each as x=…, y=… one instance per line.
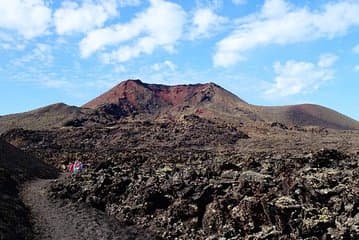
x=58, y=220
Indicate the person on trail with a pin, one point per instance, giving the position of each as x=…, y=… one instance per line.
x=70, y=167
x=75, y=167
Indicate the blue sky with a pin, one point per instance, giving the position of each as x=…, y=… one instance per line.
x=272, y=52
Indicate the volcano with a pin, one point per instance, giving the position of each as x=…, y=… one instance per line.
x=134, y=96
x=134, y=99
x=211, y=101
x=145, y=96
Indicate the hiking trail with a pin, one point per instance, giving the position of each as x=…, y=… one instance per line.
x=66, y=220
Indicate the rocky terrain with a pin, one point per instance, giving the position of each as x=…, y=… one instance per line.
x=193, y=162
x=197, y=179
x=93, y=144
x=309, y=195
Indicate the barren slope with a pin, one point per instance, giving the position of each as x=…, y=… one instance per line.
x=51, y=116
x=307, y=115
x=134, y=97
x=145, y=96
x=212, y=101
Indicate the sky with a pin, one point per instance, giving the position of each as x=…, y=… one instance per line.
x=267, y=52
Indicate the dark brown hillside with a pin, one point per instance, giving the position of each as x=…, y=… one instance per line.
x=308, y=115
x=56, y=116
x=51, y=116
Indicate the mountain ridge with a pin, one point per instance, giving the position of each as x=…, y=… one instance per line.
x=139, y=100
x=143, y=95
x=211, y=100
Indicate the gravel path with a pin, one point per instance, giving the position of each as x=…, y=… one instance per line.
x=59, y=220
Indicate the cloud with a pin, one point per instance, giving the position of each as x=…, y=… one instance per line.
x=41, y=54
x=120, y=69
x=29, y=18
x=356, y=68
x=54, y=83
x=294, y=77
x=160, y=25
x=356, y=49
x=11, y=42
x=125, y=3
x=239, y=2
x=72, y=17
x=37, y=67
x=275, y=8
x=42, y=77
x=204, y=23
x=164, y=65
x=212, y=4
x=6, y=38
x=327, y=60
x=279, y=22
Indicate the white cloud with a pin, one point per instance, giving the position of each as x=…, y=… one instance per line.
x=356, y=49
x=4, y=37
x=327, y=60
x=212, y=4
x=356, y=68
x=125, y=3
x=281, y=23
x=170, y=65
x=120, y=69
x=72, y=17
x=295, y=77
x=164, y=65
x=54, y=83
x=160, y=25
x=41, y=54
x=239, y=2
x=275, y=8
x=205, y=22
x=29, y=18
x=11, y=42
x=41, y=77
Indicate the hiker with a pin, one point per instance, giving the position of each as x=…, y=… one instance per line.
x=75, y=167
x=70, y=167
x=78, y=167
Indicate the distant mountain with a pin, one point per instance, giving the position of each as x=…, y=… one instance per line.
x=212, y=101
x=155, y=97
x=55, y=116
x=52, y=116
x=307, y=115
x=133, y=99
x=207, y=100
